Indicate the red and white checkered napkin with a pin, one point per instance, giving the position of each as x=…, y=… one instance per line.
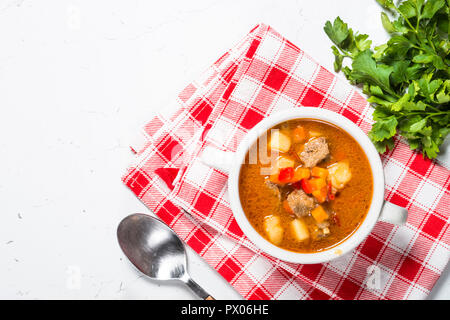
x=261, y=75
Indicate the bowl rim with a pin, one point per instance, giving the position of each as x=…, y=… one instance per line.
x=351, y=241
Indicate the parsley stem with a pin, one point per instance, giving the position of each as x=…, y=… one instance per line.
x=422, y=113
x=344, y=53
x=407, y=21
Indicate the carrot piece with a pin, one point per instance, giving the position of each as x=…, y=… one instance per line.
x=319, y=172
x=299, y=134
x=274, y=178
x=317, y=183
x=301, y=173
x=320, y=195
x=319, y=214
x=287, y=207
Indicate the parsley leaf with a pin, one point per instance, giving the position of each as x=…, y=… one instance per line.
x=337, y=32
x=407, y=79
x=365, y=70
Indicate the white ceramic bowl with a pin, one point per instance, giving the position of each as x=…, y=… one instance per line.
x=379, y=209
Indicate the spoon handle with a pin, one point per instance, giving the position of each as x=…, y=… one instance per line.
x=197, y=289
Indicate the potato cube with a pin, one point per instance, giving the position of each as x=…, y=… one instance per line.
x=279, y=141
x=282, y=162
x=339, y=174
x=299, y=229
x=285, y=162
x=274, y=230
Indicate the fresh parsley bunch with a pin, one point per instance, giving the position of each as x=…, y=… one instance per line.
x=407, y=78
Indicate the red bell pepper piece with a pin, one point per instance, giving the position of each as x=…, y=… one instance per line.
x=286, y=174
x=306, y=186
x=331, y=195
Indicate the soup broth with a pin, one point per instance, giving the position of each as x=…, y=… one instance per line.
x=314, y=193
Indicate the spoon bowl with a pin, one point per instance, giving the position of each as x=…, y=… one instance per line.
x=155, y=250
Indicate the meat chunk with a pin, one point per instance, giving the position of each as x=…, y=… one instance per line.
x=300, y=203
x=274, y=188
x=315, y=151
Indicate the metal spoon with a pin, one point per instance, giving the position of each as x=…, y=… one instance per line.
x=156, y=250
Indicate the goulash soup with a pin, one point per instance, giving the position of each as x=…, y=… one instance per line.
x=311, y=188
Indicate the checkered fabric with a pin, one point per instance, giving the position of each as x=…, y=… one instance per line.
x=263, y=74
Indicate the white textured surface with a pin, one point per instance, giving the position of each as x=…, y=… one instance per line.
x=76, y=80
